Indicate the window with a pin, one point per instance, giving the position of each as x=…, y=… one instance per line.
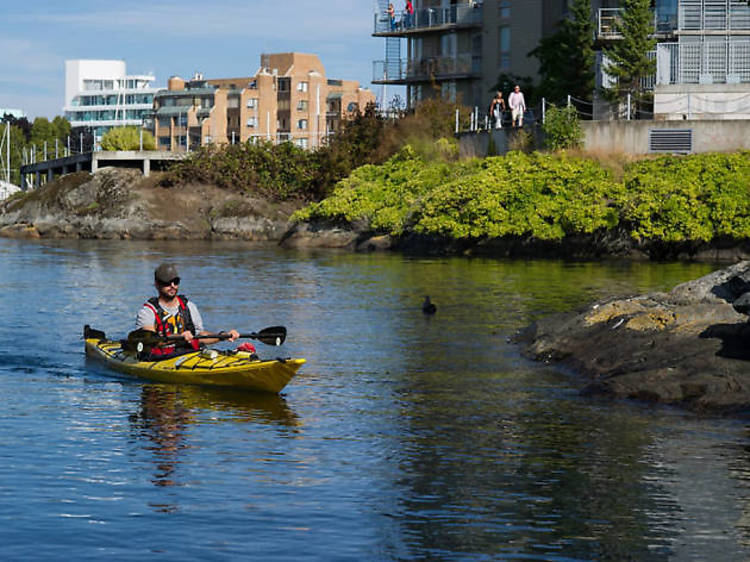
x=284, y=84
x=352, y=107
x=504, y=47
x=233, y=102
x=505, y=9
x=252, y=103
x=165, y=141
x=302, y=105
x=302, y=124
x=302, y=143
x=302, y=87
x=252, y=122
x=182, y=120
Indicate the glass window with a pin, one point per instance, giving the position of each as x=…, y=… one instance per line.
x=302, y=105
x=252, y=122
x=302, y=86
x=505, y=9
x=302, y=143
x=252, y=103
x=504, y=47
x=302, y=124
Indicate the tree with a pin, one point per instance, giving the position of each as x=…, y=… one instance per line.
x=127, y=138
x=566, y=58
x=81, y=139
x=628, y=57
x=506, y=82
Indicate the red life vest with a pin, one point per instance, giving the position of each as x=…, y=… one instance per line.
x=167, y=324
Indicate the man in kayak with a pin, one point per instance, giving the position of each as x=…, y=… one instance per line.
x=171, y=314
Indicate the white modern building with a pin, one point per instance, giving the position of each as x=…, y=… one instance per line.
x=100, y=94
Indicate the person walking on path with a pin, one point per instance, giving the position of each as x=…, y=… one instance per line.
x=497, y=107
x=392, y=16
x=517, y=106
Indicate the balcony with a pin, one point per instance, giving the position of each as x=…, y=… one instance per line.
x=664, y=25
x=463, y=66
x=714, y=16
x=709, y=62
x=433, y=19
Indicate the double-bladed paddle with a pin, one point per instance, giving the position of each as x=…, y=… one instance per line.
x=274, y=335
x=140, y=340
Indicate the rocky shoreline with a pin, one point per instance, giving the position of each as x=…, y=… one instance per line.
x=118, y=203
x=689, y=347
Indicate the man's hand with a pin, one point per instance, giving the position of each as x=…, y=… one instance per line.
x=187, y=335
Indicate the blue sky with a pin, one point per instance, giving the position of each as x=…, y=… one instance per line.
x=220, y=38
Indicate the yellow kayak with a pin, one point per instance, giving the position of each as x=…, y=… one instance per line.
x=236, y=369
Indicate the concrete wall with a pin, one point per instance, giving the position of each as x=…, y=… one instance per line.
x=631, y=137
x=701, y=101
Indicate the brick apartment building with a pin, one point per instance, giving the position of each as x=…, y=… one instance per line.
x=288, y=99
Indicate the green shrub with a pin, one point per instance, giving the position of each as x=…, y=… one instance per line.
x=127, y=138
x=562, y=128
x=696, y=197
x=546, y=196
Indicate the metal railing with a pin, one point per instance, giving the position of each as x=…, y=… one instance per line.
x=714, y=15
x=708, y=62
x=426, y=68
x=609, y=19
x=467, y=14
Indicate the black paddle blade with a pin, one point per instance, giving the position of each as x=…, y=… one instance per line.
x=269, y=336
x=90, y=333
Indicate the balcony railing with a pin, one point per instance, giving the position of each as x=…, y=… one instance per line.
x=725, y=15
x=708, y=62
x=457, y=15
x=440, y=68
x=609, y=19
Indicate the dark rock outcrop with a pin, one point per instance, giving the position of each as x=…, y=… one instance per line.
x=688, y=347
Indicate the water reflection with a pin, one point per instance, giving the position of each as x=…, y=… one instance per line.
x=166, y=412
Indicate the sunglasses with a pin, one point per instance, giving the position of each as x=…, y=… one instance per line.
x=175, y=281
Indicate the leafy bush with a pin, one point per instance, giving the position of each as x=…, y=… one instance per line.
x=562, y=129
x=546, y=196
x=127, y=138
x=383, y=197
x=697, y=197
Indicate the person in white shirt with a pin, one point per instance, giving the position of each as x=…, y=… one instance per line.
x=517, y=106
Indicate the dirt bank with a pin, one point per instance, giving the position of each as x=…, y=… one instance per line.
x=121, y=203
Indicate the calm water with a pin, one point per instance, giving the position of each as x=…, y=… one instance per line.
x=403, y=438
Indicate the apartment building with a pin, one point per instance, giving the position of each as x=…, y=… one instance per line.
x=289, y=98
x=459, y=48
x=702, y=57
x=100, y=94
x=705, y=73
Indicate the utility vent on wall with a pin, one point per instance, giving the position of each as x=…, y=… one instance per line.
x=670, y=140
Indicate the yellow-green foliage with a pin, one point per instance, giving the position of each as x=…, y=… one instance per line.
x=547, y=197
x=127, y=138
x=698, y=197
x=383, y=196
